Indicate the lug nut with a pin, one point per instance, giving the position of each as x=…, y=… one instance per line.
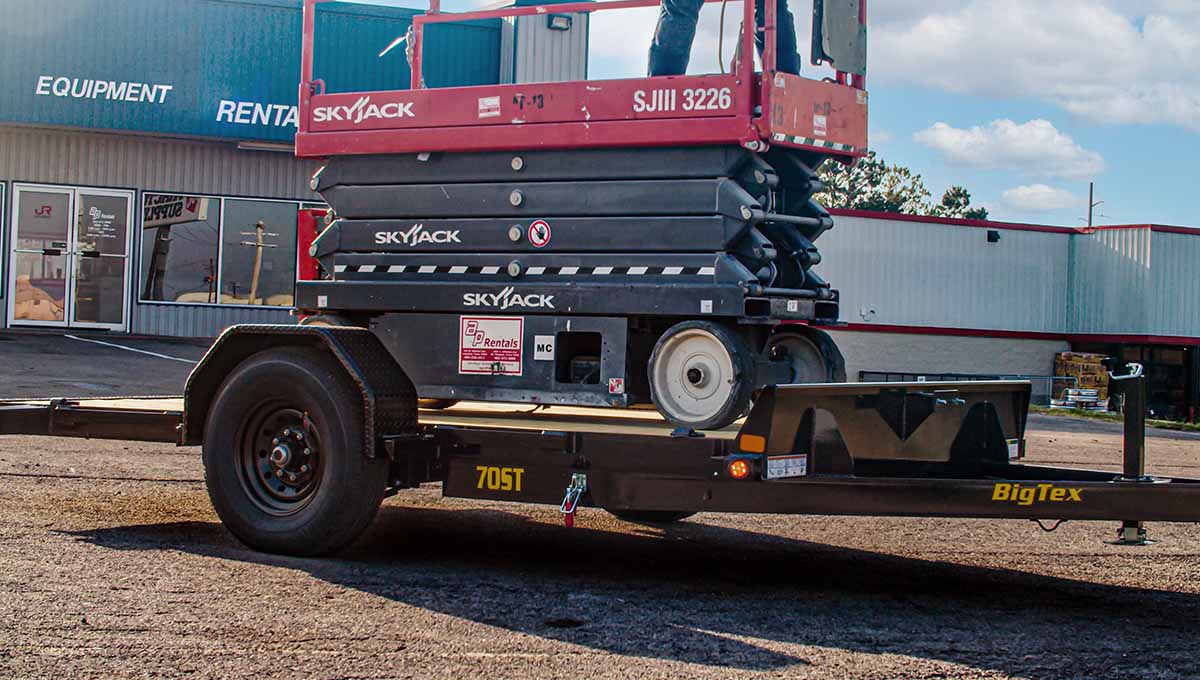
x=308, y=452
x=279, y=473
x=304, y=468
x=275, y=441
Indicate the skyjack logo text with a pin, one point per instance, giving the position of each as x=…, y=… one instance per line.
x=416, y=235
x=508, y=299
x=363, y=110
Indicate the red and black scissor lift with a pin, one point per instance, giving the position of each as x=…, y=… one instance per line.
x=550, y=251
x=647, y=241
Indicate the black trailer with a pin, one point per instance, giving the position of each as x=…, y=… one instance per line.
x=306, y=429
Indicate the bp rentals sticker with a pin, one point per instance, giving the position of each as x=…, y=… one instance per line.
x=491, y=345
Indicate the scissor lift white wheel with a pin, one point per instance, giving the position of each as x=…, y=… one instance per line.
x=701, y=375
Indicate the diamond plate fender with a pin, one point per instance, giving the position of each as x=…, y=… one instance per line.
x=389, y=400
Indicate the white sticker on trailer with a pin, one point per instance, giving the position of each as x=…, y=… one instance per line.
x=1014, y=449
x=491, y=345
x=543, y=348
x=781, y=467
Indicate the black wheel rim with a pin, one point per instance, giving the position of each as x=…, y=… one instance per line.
x=279, y=458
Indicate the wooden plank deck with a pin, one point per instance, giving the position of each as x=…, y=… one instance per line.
x=526, y=417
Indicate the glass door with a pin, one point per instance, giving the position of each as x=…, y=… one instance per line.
x=38, y=272
x=70, y=257
x=101, y=249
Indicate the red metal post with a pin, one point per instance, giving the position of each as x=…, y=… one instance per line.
x=306, y=62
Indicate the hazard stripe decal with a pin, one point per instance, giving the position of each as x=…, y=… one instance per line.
x=459, y=270
x=819, y=143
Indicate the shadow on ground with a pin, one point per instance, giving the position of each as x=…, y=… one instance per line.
x=716, y=596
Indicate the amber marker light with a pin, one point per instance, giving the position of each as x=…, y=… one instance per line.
x=752, y=443
x=739, y=468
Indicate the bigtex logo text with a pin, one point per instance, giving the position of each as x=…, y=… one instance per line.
x=1028, y=495
x=362, y=110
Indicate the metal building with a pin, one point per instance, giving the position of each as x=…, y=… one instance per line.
x=925, y=296
x=146, y=176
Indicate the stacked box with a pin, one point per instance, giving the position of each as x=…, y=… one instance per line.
x=1087, y=369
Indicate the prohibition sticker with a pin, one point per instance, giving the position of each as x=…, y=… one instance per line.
x=539, y=234
x=491, y=345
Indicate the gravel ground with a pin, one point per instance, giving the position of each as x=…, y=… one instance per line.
x=112, y=564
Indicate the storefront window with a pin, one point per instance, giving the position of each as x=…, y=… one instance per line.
x=258, y=253
x=179, y=248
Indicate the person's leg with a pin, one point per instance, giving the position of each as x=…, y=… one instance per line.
x=672, y=44
x=786, y=57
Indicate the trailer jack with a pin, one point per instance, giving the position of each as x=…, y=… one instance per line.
x=1133, y=386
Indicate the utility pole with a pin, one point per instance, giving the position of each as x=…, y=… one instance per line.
x=260, y=230
x=1092, y=202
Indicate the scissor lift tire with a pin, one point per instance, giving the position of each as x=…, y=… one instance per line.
x=701, y=375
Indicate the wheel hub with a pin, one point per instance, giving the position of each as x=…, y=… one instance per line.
x=280, y=459
x=696, y=375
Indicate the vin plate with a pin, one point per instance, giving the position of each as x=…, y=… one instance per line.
x=780, y=467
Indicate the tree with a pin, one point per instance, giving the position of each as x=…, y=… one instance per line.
x=873, y=184
x=956, y=202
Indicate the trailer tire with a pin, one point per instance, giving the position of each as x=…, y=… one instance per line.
x=651, y=516
x=814, y=356
x=701, y=375
x=282, y=454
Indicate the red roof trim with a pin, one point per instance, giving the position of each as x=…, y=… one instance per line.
x=1012, y=226
x=1121, y=339
x=953, y=221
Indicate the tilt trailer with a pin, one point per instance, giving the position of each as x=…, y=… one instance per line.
x=306, y=429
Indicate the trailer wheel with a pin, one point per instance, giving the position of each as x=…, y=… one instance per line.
x=650, y=516
x=701, y=375
x=283, y=457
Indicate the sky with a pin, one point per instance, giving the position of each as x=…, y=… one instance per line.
x=1023, y=102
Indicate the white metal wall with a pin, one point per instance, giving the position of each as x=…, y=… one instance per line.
x=894, y=272
x=1174, y=305
x=157, y=164
x=1111, y=291
x=532, y=53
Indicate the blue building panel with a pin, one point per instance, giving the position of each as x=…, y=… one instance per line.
x=209, y=68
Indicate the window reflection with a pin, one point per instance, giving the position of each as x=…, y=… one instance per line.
x=258, y=257
x=179, y=248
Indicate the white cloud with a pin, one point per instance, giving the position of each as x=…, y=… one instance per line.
x=1110, y=61
x=880, y=137
x=1034, y=148
x=1038, y=198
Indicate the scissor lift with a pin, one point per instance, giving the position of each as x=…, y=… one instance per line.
x=589, y=243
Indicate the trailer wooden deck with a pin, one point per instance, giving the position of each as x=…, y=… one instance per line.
x=156, y=418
